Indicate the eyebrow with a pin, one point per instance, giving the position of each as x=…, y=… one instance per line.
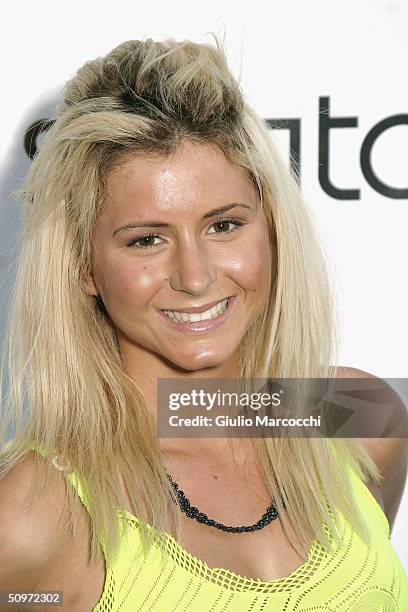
x=211, y=213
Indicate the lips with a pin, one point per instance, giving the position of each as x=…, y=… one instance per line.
x=199, y=327
x=195, y=309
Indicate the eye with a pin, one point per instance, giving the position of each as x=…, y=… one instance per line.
x=146, y=242
x=223, y=223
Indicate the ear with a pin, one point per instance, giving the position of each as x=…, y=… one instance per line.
x=89, y=286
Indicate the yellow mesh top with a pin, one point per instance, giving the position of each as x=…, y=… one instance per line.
x=354, y=578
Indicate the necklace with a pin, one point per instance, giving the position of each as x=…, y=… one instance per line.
x=193, y=512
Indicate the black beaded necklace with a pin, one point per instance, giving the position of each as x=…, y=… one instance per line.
x=193, y=512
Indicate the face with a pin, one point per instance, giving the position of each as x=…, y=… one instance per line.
x=163, y=247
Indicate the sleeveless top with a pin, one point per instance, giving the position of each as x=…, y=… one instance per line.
x=353, y=578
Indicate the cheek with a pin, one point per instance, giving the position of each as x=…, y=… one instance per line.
x=130, y=283
x=252, y=267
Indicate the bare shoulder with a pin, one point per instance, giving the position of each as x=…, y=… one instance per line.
x=28, y=532
x=38, y=551
x=390, y=454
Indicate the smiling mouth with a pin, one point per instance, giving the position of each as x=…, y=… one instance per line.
x=185, y=317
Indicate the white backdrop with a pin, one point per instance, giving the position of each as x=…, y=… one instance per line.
x=290, y=54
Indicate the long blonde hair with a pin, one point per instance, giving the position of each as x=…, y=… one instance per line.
x=68, y=390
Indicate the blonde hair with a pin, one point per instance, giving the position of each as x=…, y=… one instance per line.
x=68, y=390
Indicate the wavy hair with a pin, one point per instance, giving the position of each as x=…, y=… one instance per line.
x=68, y=389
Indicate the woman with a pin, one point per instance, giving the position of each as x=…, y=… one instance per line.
x=158, y=191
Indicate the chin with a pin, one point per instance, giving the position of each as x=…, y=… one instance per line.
x=195, y=363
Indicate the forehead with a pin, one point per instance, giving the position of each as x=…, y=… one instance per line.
x=196, y=176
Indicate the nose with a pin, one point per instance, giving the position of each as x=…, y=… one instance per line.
x=193, y=270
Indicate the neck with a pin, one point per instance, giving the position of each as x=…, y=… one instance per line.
x=155, y=367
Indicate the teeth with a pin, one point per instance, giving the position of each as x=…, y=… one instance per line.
x=212, y=313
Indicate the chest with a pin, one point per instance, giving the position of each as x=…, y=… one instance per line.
x=226, y=495
x=234, y=495
x=265, y=554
